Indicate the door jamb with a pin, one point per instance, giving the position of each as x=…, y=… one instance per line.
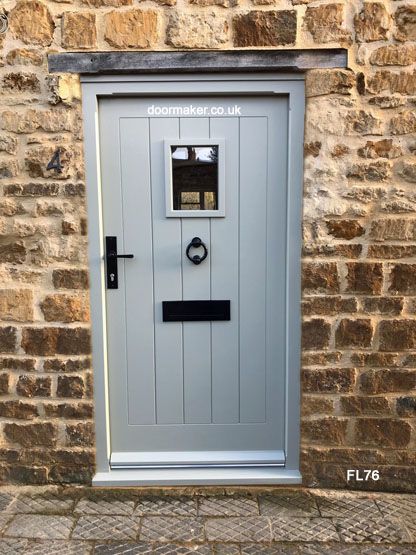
x=94, y=87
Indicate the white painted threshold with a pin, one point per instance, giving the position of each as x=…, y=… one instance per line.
x=196, y=459
x=197, y=477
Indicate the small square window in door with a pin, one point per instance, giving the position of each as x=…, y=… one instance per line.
x=195, y=178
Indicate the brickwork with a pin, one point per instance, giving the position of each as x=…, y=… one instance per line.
x=359, y=303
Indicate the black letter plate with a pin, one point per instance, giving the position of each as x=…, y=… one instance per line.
x=194, y=311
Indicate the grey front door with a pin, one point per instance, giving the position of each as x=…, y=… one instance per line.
x=204, y=392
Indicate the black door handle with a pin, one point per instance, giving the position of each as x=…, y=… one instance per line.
x=111, y=258
x=196, y=243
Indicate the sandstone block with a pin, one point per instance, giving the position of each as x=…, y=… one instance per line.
x=393, y=55
x=223, y=3
x=374, y=171
x=69, y=410
x=397, y=335
x=18, y=410
x=51, y=121
x=49, y=341
x=354, y=405
x=383, y=432
x=320, y=359
x=328, y=81
x=131, y=29
x=31, y=435
x=326, y=22
x=70, y=278
x=312, y=148
x=393, y=230
x=362, y=122
x=21, y=82
x=385, y=102
x=329, y=380
x=68, y=365
x=8, y=338
x=407, y=170
x=403, y=123
x=31, y=22
x=403, y=279
x=24, y=57
x=265, y=28
x=374, y=382
x=390, y=82
x=104, y=3
x=331, y=431
x=328, y=305
x=372, y=23
x=405, y=19
x=8, y=144
x=354, y=333
x=374, y=359
x=16, y=305
x=315, y=334
x=391, y=251
x=4, y=383
x=33, y=386
x=392, y=306
x=22, y=364
x=364, y=277
x=32, y=190
x=345, y=229
x=380, y=149
x=9, y=168
x=320, y=277
x=406, y=406
x=78, y=30
x=80, y=435
x=312, y=405
x=12, y=252
x=64, y=308
x=70, y=387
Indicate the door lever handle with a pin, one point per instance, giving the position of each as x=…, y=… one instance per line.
x=111, y=257
x=113, y=254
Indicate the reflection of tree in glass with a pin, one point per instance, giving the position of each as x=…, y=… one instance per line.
x=213, y=155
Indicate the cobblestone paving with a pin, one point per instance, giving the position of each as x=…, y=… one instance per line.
x=216, y=521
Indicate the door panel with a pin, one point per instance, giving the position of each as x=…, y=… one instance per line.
x=212, y=388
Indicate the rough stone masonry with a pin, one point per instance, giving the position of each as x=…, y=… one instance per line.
x=359, y=252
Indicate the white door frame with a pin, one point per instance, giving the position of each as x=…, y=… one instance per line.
x=291, y=85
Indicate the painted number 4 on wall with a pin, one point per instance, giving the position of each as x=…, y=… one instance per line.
x=363, y=475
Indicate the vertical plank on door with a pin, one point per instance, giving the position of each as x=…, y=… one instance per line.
x=224, y=282
x=167, y=259
x=136, y=205
x=196, y=285
x=253, y=240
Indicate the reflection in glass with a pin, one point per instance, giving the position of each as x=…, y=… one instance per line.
x=195, y=177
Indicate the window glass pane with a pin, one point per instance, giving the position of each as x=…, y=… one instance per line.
x=195, y=177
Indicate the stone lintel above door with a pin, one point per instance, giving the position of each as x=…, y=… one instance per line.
x=197, y=61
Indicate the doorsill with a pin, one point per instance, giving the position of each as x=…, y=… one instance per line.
x=197, y=477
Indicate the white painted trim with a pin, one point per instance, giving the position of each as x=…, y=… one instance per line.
x=224, y=84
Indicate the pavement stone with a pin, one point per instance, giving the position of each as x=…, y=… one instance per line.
x=104, y=507
x=347, y=505
x=174, y=506
x=274, y=549
x=13, y=546
x=225, y=549
x=296, y=504
x=105, y=527
x=171, y=529
x=59, y=548
x=43, y=504
x=6, y=500
x=227, y=506
x=371, y=529
x=141, y=548
x=238, y=529
x=350, y=549
x=401, y=507
x=40, y=527
x=292, y=529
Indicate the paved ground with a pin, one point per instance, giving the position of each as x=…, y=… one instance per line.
x=85, y=521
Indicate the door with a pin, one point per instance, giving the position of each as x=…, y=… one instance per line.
x=196, y=384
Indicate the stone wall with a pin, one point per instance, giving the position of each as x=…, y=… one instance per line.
x=359, y=304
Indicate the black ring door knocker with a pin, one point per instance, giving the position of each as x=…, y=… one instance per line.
x=195, y=244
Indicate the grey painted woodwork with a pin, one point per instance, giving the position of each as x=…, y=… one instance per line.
x=165, y=379
x=125, y=177
x=187, y=62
